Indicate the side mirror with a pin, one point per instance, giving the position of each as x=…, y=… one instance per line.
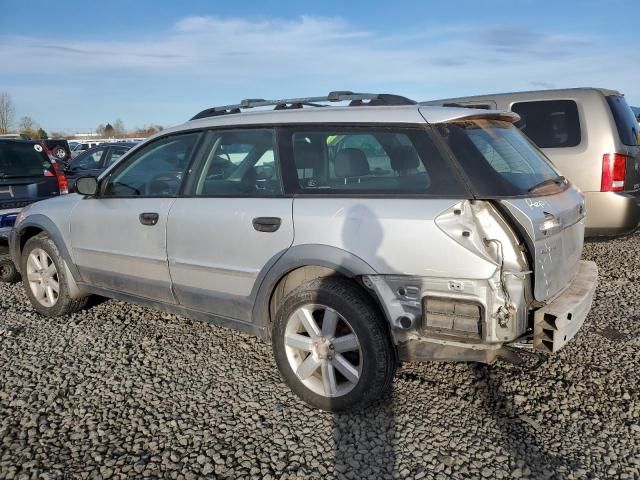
x=87, y=186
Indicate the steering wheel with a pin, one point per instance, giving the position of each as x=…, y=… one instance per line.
x=161, y=184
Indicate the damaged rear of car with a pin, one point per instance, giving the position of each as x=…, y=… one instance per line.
x=526, y=221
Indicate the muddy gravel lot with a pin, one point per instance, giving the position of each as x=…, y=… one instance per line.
x=121, y=391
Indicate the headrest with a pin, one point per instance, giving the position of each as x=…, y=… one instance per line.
x=351, y=162
x=404, y=158
x=308, y=155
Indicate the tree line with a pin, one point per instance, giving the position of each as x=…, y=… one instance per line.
x=29, y=127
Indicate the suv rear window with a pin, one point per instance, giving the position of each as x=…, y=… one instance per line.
x=371, y=160
x=19, y=159
x=550, y=123
x=625, y=120
x=497, y=158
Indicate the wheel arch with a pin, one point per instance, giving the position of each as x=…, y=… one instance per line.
x=35, y=225
x=298, y=265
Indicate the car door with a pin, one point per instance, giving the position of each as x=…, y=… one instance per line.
x=118, y=237
x=231, y=224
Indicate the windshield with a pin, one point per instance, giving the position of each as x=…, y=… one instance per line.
x=498, y=158
x=23, y=160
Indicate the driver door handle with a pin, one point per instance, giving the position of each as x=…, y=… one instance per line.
x=149, y=218
x=267, y=224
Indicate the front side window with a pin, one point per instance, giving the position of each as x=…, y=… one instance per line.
x=550, y=123
x=238, y=163
x=155, y=170
x=498, y=158
x=88, y=161
x=376, y=160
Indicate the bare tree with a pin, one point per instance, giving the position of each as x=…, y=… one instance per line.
x=29, y=127
x=118, y=128
x=7, y=112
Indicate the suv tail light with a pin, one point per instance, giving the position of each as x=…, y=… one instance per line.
x=614, y=167
x=63, y=183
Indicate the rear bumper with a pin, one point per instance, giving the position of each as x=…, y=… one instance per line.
x=612, y=213
x=557, y=322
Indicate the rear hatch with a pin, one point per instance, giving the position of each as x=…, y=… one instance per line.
x=26, y=175
x=629, y=133
x=503, y=166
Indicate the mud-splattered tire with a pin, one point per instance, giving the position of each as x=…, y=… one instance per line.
x=332, y=346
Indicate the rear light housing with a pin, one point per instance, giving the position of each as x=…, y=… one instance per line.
x=63, y=183
x=614, y=167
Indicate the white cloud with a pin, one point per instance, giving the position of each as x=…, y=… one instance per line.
x=309, y=55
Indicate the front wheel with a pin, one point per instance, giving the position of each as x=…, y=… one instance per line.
x=332, y=346
x=45, y=279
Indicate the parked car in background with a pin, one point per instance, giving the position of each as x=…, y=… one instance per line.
x=59, y=148
x=347, y=237
x=591, y=135
x=96, y=159
x=27, y=175
x=82, y=147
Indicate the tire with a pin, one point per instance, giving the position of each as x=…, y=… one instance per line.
x=321, y=367
x=48, y=271
x=8, y=271
x=60, y=153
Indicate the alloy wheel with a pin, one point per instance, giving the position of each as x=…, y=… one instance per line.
x=43, y=278
x=323, y=350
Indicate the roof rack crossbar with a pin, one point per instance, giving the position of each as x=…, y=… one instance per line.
x=355, y=99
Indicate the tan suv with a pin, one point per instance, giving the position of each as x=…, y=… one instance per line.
x=591, y=135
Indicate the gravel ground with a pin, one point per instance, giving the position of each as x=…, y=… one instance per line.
x=123, y=391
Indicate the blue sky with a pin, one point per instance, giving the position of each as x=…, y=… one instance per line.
x=72, y=65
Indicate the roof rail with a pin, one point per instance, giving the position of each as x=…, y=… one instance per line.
x=355, y=99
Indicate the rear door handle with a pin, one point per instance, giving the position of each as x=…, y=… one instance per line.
x=149, y=218
x=267, y=224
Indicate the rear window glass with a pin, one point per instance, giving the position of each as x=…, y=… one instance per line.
x=626, y=121
x=23, y=160
x=550, y=123
x=348, y=160
x=497, y=158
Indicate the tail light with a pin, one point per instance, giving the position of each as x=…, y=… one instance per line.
x=63, y=183
x=614, y=167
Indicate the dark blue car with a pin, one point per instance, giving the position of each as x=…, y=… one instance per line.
x=95, y=160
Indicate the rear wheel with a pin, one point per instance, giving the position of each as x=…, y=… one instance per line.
x=8, y=271
x=332, y=346
x=45, y=279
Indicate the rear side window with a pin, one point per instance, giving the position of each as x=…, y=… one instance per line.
x=626, y=121
x=550, y=123
x=361, y=160
x=114, y=155
x=23, y=160
x=498, y=159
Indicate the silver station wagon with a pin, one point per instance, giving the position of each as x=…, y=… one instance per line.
x=352, y=232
